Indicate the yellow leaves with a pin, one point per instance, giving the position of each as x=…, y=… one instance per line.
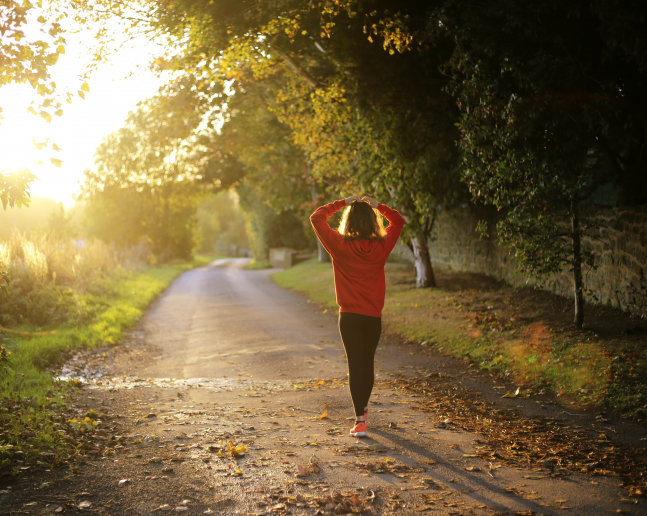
x=85, y=87
x=56, y=148
x=323, y=416
x=56, y=162
x=60, y=49
x=39, y=145
x=46, y=116
x=81, y=425
x=232, y=449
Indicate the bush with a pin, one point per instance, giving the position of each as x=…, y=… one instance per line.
x=50, y=278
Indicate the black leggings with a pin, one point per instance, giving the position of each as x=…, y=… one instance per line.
x=360, y=335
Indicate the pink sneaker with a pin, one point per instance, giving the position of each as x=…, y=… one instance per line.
x=366, y=415
x=359, y=430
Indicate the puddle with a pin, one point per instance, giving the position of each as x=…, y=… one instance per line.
x=216, y=385
x=82, y=366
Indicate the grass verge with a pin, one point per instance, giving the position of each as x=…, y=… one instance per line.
x=522, y=334
x=254, y=265
x=32, y=399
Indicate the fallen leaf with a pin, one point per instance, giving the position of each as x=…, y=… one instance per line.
x=85, y=505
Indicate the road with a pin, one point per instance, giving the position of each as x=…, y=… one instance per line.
x=226, y=355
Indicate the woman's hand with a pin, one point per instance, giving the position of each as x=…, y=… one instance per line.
x=350, y=200
x=370, y=200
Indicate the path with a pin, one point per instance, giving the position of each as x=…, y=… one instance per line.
x=225, y=355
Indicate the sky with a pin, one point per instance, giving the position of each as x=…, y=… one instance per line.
x=113, y=93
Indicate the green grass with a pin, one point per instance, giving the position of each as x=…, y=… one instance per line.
x=254, y=265
x=27, y=387
x=312, y=278
x=501, y=331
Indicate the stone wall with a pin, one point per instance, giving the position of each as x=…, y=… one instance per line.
x=620, y=247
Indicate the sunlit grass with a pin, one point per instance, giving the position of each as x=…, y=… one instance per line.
x=255, y=265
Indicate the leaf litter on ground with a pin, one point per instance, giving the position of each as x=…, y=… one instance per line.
x=534, y=443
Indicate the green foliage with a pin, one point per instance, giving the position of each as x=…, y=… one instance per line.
x=5, y=356
x=23, y=59
x=14, y=188
x=316, y=105
x=5, y=281
x=52, y=281
x=143, y=191
x=267, y=228
x=543, y=123
x=221, y=224
x=31, y=43
x=310, y=102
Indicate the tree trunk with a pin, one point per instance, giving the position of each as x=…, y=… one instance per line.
x=324, y=257
x=577, y=267
x=422, y=261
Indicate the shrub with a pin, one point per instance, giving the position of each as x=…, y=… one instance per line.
x=54, y=280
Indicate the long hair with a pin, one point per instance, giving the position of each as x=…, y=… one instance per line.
x=361, y=222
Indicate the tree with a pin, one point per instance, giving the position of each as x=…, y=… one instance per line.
x=143, y=188
x=552, y=107
x=383, y=126
x=14, y=188
x=344, y=100
x=253, y=154
x=221, y=223
x=24, y=58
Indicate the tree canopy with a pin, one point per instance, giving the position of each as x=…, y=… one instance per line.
x=530, y=107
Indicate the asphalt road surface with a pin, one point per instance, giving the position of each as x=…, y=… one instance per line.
x=226, y=355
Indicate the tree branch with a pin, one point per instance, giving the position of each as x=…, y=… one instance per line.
x=296, y=67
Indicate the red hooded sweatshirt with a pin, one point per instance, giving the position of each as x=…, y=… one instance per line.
x=358, y=265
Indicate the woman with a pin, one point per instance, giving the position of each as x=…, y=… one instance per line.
x=359, y=251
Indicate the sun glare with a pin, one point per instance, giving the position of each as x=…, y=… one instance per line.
x=115, y=89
